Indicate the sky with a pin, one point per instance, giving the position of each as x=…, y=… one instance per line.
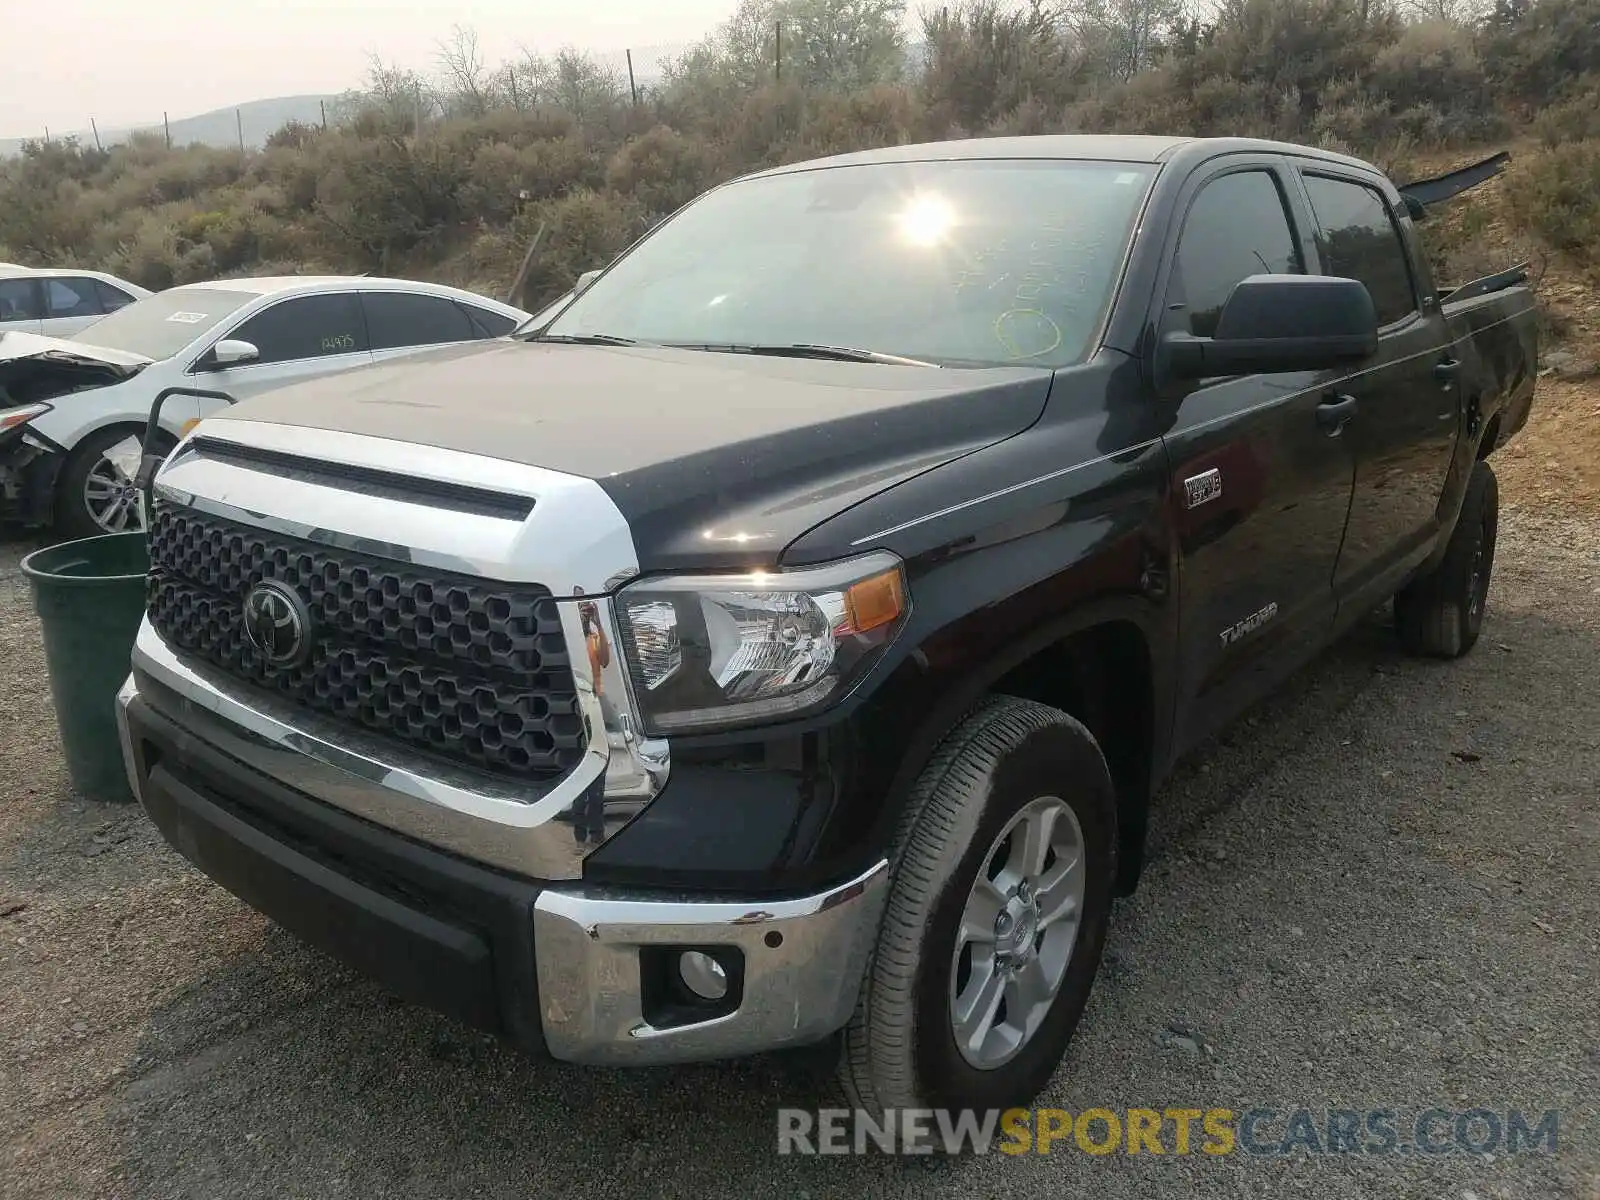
x=124, y=62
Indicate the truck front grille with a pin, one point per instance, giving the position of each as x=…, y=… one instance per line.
x=471, y=670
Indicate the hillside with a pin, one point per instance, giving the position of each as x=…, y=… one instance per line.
x=259, y=119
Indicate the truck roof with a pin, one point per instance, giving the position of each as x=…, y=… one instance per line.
x=1116, y=147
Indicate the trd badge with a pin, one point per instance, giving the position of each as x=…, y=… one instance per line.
x=1197, y=489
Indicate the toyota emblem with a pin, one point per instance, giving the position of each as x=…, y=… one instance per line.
x=277, y=623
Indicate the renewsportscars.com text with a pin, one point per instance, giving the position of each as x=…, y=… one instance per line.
x=1258, y=1131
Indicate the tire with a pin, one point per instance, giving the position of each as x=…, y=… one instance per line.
x=1441, y=614
x=74, y=518
x=1007, y=757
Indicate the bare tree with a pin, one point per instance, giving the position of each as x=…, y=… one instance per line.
x=398, y=94
x=576, y=82
x=466, y=73
x=1124, y=36
x=1452, y=12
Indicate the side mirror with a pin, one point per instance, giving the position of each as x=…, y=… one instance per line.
x=1281, y=323
x=230, y=352
x=584, y=280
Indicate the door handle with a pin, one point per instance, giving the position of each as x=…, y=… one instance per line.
x=1334, y=411
x=1446, y=371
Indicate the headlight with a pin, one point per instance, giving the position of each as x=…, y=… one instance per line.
x=12, y=417
x=711, y=651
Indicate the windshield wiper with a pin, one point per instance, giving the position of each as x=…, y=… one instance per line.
x=809, y=350
x=583, y=339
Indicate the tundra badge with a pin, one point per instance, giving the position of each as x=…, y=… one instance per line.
x=1197, y=489
x=1250, y=624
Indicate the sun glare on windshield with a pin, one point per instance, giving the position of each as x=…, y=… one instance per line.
x=926, y=220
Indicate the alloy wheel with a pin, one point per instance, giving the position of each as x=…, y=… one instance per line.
x=1017, y=933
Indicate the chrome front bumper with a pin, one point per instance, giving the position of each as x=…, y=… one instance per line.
x=803, y=958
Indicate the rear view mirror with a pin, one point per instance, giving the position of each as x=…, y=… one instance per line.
x=1282, y=323
x=584, y=280
x=230, y=352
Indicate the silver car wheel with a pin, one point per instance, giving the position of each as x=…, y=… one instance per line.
x=1017, y=933
x=111, y=497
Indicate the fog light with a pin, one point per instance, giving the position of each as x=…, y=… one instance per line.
x=702, y=975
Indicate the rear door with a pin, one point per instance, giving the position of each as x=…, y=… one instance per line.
x=299, y=338
x=1260, y=489
x=1404, y=428
x=21, y=305
x=401, y=323
x=72, y=303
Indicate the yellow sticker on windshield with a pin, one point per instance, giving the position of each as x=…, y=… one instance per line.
x=1026, y=333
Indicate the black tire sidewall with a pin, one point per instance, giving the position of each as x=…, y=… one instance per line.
x=1058, y=760
x=1485, y=528
x=1434, y=613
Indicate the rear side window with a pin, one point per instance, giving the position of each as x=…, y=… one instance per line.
x=71, y=297
x=488, y=324
x=399, y=319
x=1357, y=239
x=111, y=298
x=306, y=327
x=18, y=300
x=1237, y=226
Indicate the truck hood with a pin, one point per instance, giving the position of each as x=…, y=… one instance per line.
x=716, y=460
x=33, y=367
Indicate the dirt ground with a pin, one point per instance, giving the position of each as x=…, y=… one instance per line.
x=1379, y=890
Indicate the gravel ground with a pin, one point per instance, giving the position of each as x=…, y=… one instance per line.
x=1378, y=891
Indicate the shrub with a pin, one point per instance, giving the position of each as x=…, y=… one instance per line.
x=1557, y=195
x=985, y=60
x=582, y=231
x=1573, y=119
x=662, y=170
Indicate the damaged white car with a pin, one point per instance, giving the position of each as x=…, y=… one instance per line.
x=73, y=410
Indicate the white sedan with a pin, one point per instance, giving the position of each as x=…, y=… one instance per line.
x=59, y=301
x=73, y=410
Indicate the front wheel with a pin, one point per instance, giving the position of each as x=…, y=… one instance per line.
x=996, y=918
x=96, y=492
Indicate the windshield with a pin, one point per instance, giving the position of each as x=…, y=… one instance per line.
x=976, y=262
x=160, y=325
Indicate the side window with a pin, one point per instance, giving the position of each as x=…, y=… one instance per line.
x=1236, y=227
x=400, y=319
x=111, y=298
x=1357, y=238
x=306, y=327
x=18, y=300
x=488, y=324
x=71, y=297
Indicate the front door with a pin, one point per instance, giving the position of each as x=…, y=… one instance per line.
x=1260, y=482
x=299, y=338
x=1403, y=430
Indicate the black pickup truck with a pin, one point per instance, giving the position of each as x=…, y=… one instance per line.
x=781, y=644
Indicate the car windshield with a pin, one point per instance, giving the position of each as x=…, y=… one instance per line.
x=966, y=263
x=162, y=324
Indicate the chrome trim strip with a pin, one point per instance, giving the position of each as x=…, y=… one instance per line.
x=586, y=944
x=125, y=696
x=574, y=540
x=542, y=833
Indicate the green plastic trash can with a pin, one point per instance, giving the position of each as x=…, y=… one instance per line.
x=90, y=597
